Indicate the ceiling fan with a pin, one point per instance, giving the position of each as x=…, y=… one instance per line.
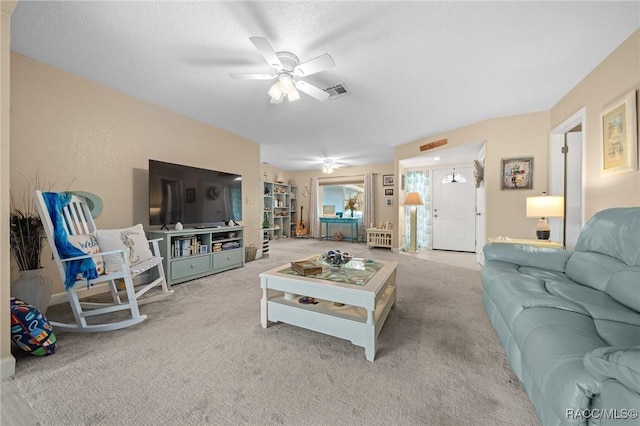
x=289, y=71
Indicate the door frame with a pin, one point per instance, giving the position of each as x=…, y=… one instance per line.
x=556, y=160
x=481, y=201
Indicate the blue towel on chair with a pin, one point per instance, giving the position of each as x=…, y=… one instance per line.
x=55, y=202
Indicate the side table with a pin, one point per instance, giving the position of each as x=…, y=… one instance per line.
x=535, y=243
x=379, y=238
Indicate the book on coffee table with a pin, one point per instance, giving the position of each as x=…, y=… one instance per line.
x=306, y=268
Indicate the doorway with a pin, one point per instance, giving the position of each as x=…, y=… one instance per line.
x=566, y=177
x=454, y=209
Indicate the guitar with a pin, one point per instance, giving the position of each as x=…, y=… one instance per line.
x=301, y=229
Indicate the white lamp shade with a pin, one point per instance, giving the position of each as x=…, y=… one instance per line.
x=275, y=92
x=293, y=95
x=545, y=206
x=286, y=83
x=413, y=199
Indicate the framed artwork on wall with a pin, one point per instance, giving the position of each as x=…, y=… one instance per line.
x=191, y=195
x=387, y=180
x=328, y=210
x=388, y=192
x=619, y=135
x=517, y=173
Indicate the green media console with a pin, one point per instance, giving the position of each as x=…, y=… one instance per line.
x=195, y=253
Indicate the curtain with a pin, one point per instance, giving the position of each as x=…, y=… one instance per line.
x=313, y=207
x=368, y=213
x=418, y=181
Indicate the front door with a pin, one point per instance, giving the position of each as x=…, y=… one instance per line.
x=454, y=204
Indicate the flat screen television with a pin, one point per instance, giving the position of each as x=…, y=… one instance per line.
x=192, y=196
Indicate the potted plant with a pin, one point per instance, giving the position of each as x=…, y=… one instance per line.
x=351, y=204
x=26, y=236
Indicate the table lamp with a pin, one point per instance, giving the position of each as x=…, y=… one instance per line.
x=545, y=206
x=413, y=199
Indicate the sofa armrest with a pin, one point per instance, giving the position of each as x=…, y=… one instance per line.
x=615, y=362
x=526, y=255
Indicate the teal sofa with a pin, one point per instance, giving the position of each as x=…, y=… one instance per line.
x=569, y=321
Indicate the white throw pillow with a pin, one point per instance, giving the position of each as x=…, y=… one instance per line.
x=132, y=239
x=88, y=244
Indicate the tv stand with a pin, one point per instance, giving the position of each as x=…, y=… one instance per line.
x=195, y=253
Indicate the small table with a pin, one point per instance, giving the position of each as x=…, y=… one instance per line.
x=535, y=243
x=366, y=288
x=350, y=220
x=379, y=237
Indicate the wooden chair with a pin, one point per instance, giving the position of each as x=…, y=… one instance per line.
x=77, y=220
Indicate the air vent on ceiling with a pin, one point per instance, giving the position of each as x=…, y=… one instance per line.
x=336, y=91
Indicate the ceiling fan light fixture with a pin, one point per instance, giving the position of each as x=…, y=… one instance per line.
x=276, y=92
x=286, y=82
x=327, y=166
x=293, y=95
x=286, y=65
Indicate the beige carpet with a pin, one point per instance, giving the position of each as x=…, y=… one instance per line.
x=202, y=357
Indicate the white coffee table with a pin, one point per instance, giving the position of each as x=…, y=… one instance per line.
x=367, y=290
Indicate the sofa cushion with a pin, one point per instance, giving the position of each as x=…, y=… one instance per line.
x=525, y=255
x=598, y=304
x=618, y=333
x=543, y=274
x=613, y=232
x=592, y=269
x=553, y=343
x=624, y=286
x=513, y=292
x=622, y=364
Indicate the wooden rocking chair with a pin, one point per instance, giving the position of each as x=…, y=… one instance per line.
x=76, y=219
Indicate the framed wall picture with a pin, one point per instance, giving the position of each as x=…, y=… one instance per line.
x=620, y=135
x=388, y=192
x=191, y=195
x=389, y=202
x=517, y=173
x=387, y=180
x=328, y=210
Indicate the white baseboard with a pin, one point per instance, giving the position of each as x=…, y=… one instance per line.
x=7, y=367
x=58, y=298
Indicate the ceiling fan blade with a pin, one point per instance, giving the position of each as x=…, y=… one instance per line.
x=251, y=76
x=311, y=90
x=277, y=101
x=265, y=49
x=321, y=63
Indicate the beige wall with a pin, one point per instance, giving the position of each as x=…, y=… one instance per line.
x=616, y=76
x=79, y=135
x=524, y=135
x=528, y=135
x=7, y=362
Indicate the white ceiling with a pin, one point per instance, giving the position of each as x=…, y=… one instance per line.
x=413, y=69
